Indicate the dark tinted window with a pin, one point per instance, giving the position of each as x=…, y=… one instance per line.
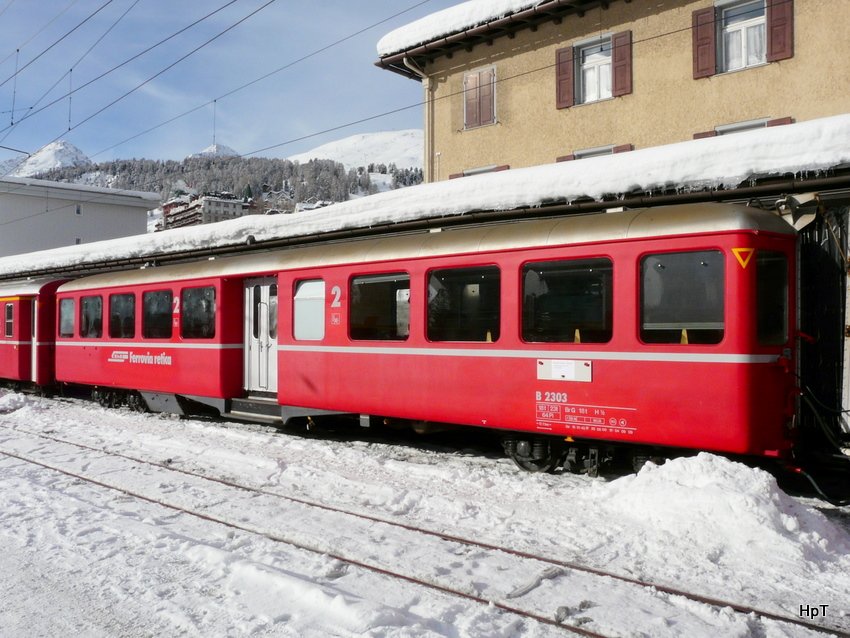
x=567, y=301
x=463, y=304
x=772, y=297
x=380, y=307
x=197, y=314
x=91, y=317
x=682, y=297
x=156, y=314
x=122, y=316
x=66, y=318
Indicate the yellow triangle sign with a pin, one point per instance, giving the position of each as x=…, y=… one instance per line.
x=743, y=255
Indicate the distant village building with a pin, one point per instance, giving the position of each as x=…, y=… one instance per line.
x=38, y=214
x=191, y=210
x=561, y=80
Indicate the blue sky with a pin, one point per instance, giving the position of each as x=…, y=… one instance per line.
x=334, y=87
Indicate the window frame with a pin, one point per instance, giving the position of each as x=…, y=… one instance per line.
x=9, y=320
x=91, y=327
x=386, y=328
x=122, y=327
x=581, y=92
x=476, y=97
x=439, y=332
x=146, y=316
x=681, y=331
x=197, y=332
x=67, y=310
x=304, y=309
x=742, y=27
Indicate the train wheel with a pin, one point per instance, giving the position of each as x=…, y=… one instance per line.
x=136, y=403
x=539, y=454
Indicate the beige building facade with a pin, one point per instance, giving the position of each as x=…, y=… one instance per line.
x=569, y=79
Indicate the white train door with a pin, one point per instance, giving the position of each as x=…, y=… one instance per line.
x=261, y=335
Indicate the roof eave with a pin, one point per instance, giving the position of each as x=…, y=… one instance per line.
x=531, y=18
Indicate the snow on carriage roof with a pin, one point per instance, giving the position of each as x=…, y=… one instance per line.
x=451, y=20
x=724, y=161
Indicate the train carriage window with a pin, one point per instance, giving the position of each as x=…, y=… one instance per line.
x=568, y=301
x=463, y=304
x=772, y=297
x=308, y=310
x=9, y=320
x=380, y=307
x=682, y=297
x=197, y=315
x=273, y=311
x=156, y=314
x=122, y=316
x=66, y=318
x=91, y=317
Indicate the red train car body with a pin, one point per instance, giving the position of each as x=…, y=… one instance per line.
x=666, y=327
x=27, y=336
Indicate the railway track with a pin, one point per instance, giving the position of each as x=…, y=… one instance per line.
x=347, y=530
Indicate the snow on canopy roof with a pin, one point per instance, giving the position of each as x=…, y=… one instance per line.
x=717, y=162
x=452, y=20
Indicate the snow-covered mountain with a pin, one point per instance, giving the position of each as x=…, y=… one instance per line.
x=215, y=150
x=59, y=154
x=402, y=148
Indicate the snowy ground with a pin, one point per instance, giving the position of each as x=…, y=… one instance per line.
x=82, y=558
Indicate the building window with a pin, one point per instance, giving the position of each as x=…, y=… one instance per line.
x=742, y=35
x=479, y=91
x=464, y=304
x=737, y=35
x=10, y=322
x=78, y=209
x=593, y=71
x=380, y=307
x=739, y=127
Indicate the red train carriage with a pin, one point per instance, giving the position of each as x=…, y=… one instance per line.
x=663, y=327
x=27, y=334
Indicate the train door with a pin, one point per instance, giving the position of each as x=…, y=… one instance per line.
x=261, y=335
x=34, y=336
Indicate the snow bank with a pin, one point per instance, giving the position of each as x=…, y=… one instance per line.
x=725, y=161
x=452, y=20
x=9, y=402
x=720, y=506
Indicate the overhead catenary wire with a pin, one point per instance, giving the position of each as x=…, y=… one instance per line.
x=41, y=30
x=70, y=70
x=124, y=63
x=68, y=33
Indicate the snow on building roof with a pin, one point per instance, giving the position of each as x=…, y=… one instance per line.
x=718, y=162
x=99, y=194
x=448, y=21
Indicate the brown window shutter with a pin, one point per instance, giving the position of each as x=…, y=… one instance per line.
x=564, y=83
x=780, y=121
x=471, y=110
x=699, y=136
x=623, y=148
x=565, y=158
x=705, y=46
x=780, y=30
x=621, y=64
x=486, y=97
